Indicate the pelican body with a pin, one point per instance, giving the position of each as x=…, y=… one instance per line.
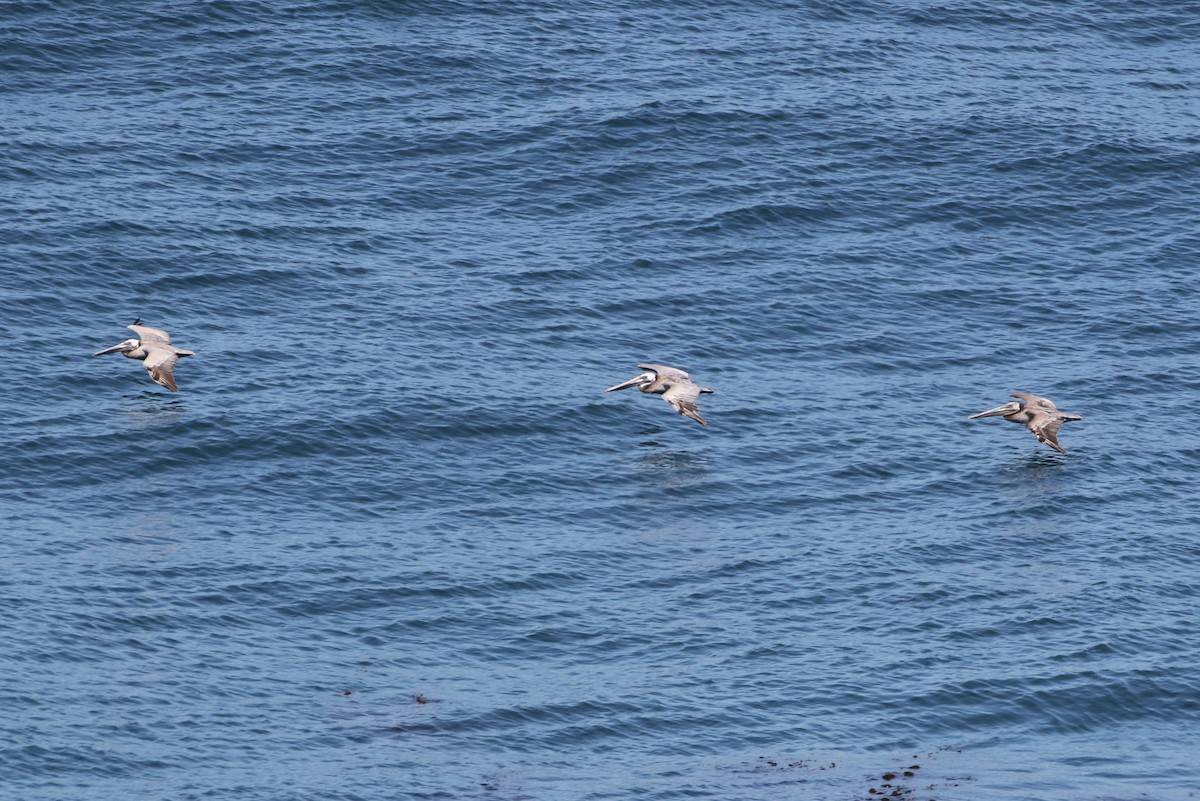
x=154, y=350
x=674, y=385
x=1039, y=415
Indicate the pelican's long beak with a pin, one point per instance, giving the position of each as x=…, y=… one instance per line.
x=113, y=349
x=633, y=382
x=999, y=411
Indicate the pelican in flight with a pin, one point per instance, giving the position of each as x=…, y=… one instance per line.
x=674, y=385
x=1039, y=415
x=154, y=350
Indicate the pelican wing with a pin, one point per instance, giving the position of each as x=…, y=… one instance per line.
x=682, y=397
x=150, y=335
x=1045, y=428
x=665, y=372
x=159, y=364
x=1035, y=402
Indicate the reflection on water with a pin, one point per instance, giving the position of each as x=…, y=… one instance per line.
x=673, y=469
x=1034, y=474
x=153, y=410
x=1039, y=463
x=677, y=462
x=163, y=526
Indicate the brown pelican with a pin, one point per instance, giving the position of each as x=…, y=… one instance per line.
x=154, y=349
x=1040, y=416
x=674, y=385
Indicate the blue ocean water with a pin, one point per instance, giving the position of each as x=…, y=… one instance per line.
x=391, y=539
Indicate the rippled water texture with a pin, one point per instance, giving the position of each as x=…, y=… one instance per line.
x=391, y=539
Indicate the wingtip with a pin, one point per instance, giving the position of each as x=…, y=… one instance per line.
x=164, y=379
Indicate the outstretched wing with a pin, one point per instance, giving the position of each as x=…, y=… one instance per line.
x=150, y=335
x=1045, y=427
x=665, y=372
x=159, y=365
x=1035, y=403
x=682, y=397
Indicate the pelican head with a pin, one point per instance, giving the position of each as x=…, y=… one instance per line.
x=1012, y=407
x=123, y=347
x=640, y=381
